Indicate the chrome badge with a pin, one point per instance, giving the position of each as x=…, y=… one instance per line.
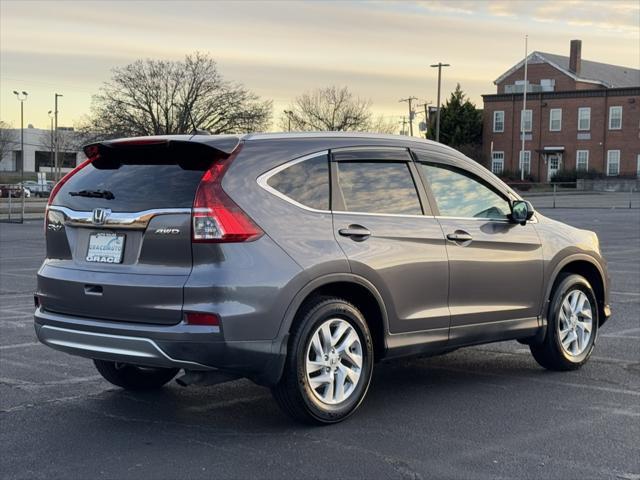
x=100, y=215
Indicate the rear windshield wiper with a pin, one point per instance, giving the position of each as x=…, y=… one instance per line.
x=106, y=194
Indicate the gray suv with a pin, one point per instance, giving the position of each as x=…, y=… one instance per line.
x=300, y=260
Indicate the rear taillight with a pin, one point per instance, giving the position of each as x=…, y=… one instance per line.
x=56, y=188
x=215, y=217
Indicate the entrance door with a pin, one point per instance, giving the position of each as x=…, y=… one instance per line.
x=553, y=164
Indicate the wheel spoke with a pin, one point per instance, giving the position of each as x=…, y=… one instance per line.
x=325, y=334
x=340, y=331
x=569, y=339
x=350, y=373
x=573, y=299
x=340, y=379
x=313, y=366
x=349, y=340
x=317, y=346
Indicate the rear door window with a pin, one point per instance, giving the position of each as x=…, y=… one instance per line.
x=378, y=187
x=305, y=182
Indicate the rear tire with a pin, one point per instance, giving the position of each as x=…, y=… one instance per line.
x=572, y=326
x=133, y=377
x=329, y=363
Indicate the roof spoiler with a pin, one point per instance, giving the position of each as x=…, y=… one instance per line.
x=222, y=145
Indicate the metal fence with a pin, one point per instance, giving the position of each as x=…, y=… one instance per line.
x=12, y=203
x=567, y=195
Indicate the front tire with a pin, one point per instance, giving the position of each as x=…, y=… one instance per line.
x=572, y=326
x=133, y=377
x=329, y=363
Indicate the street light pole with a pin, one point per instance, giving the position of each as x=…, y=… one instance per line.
x=55, y=141
x=50, y=113
x=439, y=65
x=288, y=113
x=524, y=109
x=409, y=100
x=21, y=96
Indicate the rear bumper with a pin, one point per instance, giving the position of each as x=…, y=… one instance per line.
x=191, y=347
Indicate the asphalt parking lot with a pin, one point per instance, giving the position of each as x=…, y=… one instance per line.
x=482, y=412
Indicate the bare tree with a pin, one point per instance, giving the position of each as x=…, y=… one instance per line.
x=329, y=109
x=9, y=139
x=156, y=97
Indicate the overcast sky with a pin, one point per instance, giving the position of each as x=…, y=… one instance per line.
x=380, y=50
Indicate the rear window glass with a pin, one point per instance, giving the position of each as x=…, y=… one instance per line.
x=378, y=187
x=134, y=187
x=306, y=182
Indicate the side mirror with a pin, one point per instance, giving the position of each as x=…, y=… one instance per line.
x=521, y=211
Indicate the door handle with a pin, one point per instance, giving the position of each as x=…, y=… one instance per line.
x=459, y=236
x=356, y=232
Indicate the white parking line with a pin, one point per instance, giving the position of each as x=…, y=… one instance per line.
x=19, y=345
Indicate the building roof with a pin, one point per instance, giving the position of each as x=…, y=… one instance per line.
x=610, y=76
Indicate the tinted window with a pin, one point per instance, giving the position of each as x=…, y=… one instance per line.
x=459, y=194
x=134, y=187
x=378, y=187
x=306, y=182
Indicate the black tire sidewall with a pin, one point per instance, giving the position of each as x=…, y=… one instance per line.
x=568, y=284
x=335, y=309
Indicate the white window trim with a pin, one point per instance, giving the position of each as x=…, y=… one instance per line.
x=551, y=129
x=497, y=160
x=525, y=154
x=523, y=113
x=611, y=117
x=609, y=162
x=586, y=167
x=495, y=114
x=584, y=109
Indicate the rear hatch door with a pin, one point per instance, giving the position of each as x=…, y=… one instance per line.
x=119, y=231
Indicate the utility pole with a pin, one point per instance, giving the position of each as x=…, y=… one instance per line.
x=288, y=113
x=404, y=124
x=21, y=96
x=426, y=117
x=524, y=109
x=409, y=100
x=439, y=65
x=55, y=141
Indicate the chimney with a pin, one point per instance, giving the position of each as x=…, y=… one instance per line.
x=575, y=57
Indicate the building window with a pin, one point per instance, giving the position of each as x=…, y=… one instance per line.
x=613, y=163
x=497, y=162
x=555, y=119
x=582, y=160
x=525, y=161
x=584, y=118
x=638, y=166
x=615, y=118
x=526, y=120
x=498, y=121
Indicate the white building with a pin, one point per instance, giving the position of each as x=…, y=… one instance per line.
x=38, y=151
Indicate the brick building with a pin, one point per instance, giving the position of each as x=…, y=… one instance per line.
x=580, y=115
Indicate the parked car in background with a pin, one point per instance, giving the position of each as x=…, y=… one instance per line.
x=37, y=189
x=13, y=191
x=300, y=260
